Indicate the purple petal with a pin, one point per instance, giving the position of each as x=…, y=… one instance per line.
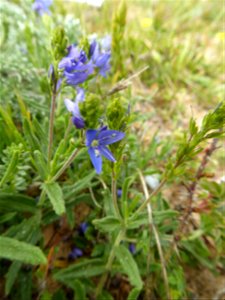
x=58, y=84
x=106, y=42
x=92, y=48
x=102, y=60
x=90, y=136
x=73, y=52
x=70, y=106
x=119, y=193
x=83, y=227
x=96, y=159
x=65, y=63
x=108, y=137
x=75, y=78
x=80, y=94
x=105, y=152
x=132, y=248
x=78, y=122
x=96, y=53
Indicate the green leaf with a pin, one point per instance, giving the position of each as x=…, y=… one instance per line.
x=55, y=195
x=7, y=217
x=129, y=266
x=79, y=185
x=12, y=275
x=15, y=250
x=40, y=164
x=133, y=295
x=30, y=135
x=87, y=268
x=79, y=290
x=107, y=224
x=11, y=168
x=17, y=202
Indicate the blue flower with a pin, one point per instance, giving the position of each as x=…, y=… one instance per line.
x=73, y=107
x=132, y=248
x=76, y=66
x=83, y=228
x=42, y=6
x=119, y=193
x=75, y=253
x=97, y=140
x=101, y=54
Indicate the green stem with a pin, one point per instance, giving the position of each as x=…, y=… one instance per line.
x=114, y=195
x=58, y=174
x=51, y=122
x=66, y=165
x=109, y=263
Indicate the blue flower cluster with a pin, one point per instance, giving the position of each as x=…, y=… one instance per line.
x=42, y=6
x=77, y=67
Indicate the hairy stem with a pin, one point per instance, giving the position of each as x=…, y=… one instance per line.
x=114, y=194
x=109, y=263
x=58, y=174
x=51, y=122
x=66, y=164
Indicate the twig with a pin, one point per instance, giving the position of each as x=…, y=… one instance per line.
x=192, y=188
x=123, y=84
x=155, y=232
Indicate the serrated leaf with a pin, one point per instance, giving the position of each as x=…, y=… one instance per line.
x=107, y=224
x=129, y=266
x=55, y=195
x=15, y=250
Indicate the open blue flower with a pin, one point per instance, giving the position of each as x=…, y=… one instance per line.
x=73, y=107
x=76, y=66
x=97, y=140
x=42, y=6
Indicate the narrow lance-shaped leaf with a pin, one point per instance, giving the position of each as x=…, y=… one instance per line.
x=11, y=168
x=55, y=195
x=40, y=164
x=84, y=269
x=129, y=266
x=15, y=250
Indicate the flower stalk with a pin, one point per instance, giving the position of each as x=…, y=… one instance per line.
x=108, y=267
x=114, y=194
x=51, y=122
